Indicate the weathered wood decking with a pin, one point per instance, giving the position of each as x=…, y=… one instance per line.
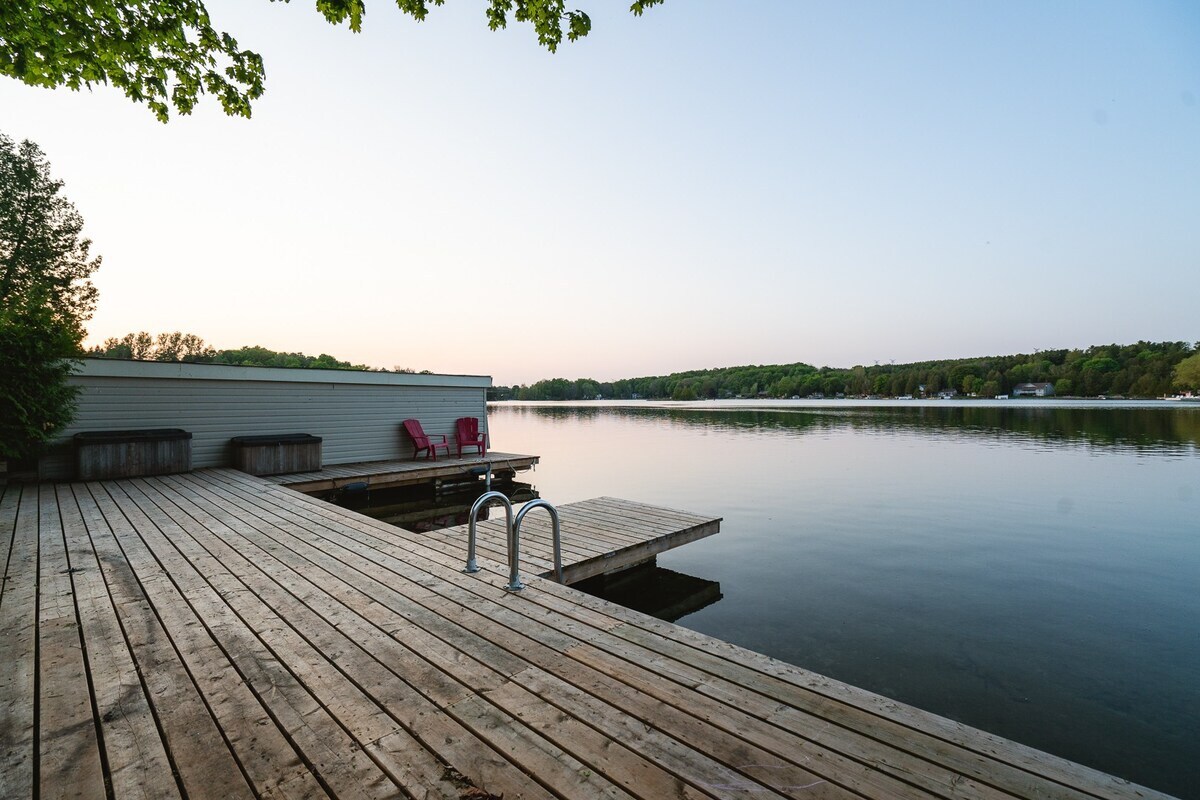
x=215, y=635
x=388, y=474
x=601, y=535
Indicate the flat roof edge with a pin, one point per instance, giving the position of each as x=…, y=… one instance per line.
x=179, y=370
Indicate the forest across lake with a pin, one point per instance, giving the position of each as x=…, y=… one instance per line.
x=1143, y=370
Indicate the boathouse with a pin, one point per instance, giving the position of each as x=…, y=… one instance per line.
x=355, y=413
x=1033, y=390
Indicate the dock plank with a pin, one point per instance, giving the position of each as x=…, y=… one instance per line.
x=523, y=710
x=10, y=500
x=330, y=721
x=197, y=624
x=199, y=755
x=281, y=646
x=629, y=769
x=18, y=643
x=551, y=643
x=398, y=472
x=488, y=639
x=273, y=670
x=68, y=743
x=366, y=658
x=1023, y=771
x=137, y=761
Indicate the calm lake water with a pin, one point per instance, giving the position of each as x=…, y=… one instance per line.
x=1029, y=568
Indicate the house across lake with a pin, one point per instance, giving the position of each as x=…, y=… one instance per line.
x=1033, y=390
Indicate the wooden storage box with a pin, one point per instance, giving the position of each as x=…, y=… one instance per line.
x=277, y=454
x=132, y=454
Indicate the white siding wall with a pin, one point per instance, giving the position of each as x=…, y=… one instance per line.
x=357, y=421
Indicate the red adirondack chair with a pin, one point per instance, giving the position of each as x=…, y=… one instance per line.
x=423, y=442
x=468, y=435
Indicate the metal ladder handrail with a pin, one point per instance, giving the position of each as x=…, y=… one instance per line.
x=476, y=507
x=514, y=544
x=513, y=530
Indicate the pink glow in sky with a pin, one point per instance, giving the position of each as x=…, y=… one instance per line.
x=708, y=185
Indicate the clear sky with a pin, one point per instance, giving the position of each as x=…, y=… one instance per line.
x=711, y=184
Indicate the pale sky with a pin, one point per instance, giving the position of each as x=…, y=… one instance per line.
x=708, y=185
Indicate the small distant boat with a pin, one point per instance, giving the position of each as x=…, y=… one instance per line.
x=1001, y=397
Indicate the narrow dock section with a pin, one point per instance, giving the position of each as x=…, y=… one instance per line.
x=214, y=635
x=599, y=536
x=389, y=474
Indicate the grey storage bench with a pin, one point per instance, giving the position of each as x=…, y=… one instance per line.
x=274, y=454
x=132, y=454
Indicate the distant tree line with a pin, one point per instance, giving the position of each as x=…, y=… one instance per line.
x=1145, y=369
x=189, y=347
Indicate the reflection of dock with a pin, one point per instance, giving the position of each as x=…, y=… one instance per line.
x=213, y=634
x=599, y=536
x=389, y=474
x=655, y=590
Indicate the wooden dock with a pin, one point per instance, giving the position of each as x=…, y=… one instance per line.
x=214, y=635
x=599, y=536
x=406, y=472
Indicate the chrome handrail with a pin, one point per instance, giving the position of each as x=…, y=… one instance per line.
x=514, y=544
x=478, y=505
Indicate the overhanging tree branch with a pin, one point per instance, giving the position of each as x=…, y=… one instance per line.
x=166, y=53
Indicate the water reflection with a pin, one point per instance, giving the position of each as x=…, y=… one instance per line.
x=651, y=589
x=1171, y=429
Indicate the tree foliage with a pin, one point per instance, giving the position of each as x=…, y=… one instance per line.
x=45, y=298
x=139, y=346
x=43, y=257
x=166, y=53
x=256, y=356
x=142, y=346
x=1187, y=372
x=189, y=347
x=35, y=399
x=1144, y=369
